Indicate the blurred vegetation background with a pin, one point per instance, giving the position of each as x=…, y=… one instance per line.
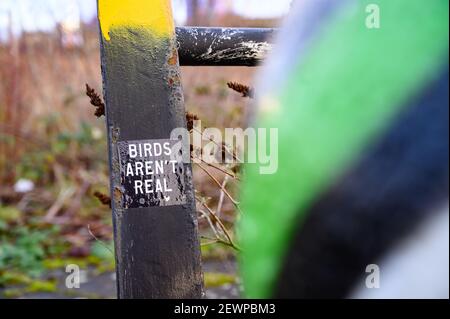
x=53, y=154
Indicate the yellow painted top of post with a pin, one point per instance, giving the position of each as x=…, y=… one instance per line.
x=154, y=15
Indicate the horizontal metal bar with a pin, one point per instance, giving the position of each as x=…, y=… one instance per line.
x=199, y=46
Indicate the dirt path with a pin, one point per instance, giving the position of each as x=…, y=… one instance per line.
x=103, y=285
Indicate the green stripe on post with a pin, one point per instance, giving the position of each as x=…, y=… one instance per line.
x=346, y=90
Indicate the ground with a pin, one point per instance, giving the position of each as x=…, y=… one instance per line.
x=221, y=284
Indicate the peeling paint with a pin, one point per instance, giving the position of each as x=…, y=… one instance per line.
x=223, y=46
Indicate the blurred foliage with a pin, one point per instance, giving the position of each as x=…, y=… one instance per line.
x=69, y=148
x=202, y=90
x=23, y=249
x=49, y=136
